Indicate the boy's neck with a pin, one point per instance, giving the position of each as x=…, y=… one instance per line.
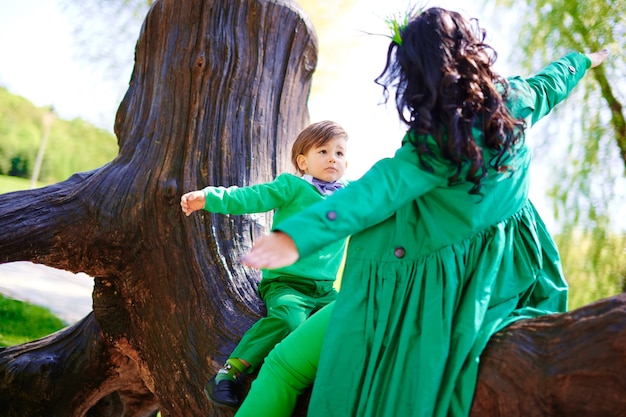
x=324, y=187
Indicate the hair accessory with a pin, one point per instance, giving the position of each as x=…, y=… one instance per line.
x=397, y=26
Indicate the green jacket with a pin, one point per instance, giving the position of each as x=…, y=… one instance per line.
x=286, y=195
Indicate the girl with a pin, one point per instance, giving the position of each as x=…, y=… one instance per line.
x=446, y=248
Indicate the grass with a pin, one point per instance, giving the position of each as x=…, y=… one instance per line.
x=9, y=184
x=21, y=322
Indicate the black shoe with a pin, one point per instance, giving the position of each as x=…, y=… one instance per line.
x=222, y=393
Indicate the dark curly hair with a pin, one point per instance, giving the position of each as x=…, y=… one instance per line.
x=445, y=87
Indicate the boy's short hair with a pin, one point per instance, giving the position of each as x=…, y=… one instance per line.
x=315, y=134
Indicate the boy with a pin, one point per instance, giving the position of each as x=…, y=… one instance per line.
x=293, y=293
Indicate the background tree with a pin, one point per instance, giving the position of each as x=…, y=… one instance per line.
x=73, y=145
x=586, y=145
x=556, y=27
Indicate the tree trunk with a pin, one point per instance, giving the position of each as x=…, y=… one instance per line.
x=218, y=92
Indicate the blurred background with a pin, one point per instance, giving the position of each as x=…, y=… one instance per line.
x=65, y=66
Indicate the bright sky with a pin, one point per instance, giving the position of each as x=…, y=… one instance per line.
x=38, y=61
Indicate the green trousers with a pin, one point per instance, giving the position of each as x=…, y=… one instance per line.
x=289, y=302
x=288, y=370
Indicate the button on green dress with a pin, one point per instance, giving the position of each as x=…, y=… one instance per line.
x=432, y=272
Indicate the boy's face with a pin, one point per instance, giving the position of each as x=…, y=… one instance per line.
x=326, y=162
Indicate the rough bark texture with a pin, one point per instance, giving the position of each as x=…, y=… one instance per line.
x=74, y=372
x=218, y=92
x=569, y=364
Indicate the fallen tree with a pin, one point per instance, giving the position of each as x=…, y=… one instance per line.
x=218, y=92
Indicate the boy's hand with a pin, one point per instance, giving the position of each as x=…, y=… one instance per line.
x=192, y=201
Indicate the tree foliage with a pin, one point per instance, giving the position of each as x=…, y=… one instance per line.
x=594, y=271
x=586, y=145
x=593, y=132
x=73, y=146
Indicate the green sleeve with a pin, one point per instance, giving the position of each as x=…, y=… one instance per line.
x=389, y=184
x=534, y=97
x=257, y=198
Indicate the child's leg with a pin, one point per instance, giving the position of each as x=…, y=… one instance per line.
x=288, y=370
x=286, y=310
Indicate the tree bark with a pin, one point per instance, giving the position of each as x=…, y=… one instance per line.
x=74, y=372
x=218, y=92
x=569, y=364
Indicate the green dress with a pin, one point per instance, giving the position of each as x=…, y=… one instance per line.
x=432, y=272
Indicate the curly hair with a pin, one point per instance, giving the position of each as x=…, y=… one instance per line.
x=445, y=87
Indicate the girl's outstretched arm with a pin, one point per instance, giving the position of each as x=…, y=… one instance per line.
x=275, y=250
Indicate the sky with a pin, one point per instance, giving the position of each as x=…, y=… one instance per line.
x=40, y=61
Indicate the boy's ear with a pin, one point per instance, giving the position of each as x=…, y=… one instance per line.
x=301, y=160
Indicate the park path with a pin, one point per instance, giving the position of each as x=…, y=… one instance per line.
x=65, y=294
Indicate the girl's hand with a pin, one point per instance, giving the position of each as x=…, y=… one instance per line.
x=598, y=57
x=272, y=251
x=192, y=201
